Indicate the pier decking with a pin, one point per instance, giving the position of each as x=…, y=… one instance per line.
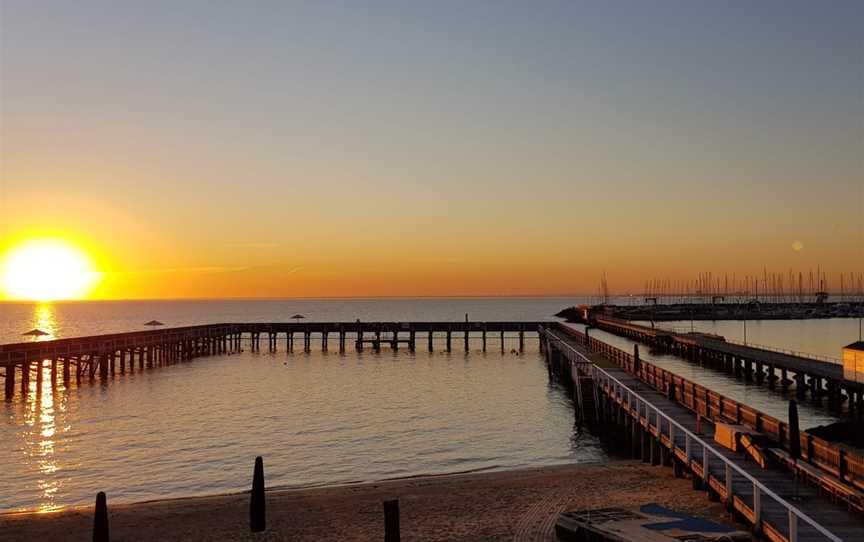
x=106, y=355
x=822, y=379
x=664, y=431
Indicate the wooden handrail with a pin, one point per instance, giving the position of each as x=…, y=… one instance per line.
x=847, y=466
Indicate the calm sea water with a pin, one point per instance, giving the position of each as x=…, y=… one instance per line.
x=75, y=319
x=317, y=418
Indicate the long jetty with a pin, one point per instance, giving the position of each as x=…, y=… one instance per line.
x=822, y=379
x=662, y=418
x=106, y=355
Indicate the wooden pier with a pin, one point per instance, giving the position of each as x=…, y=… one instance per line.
x=649, y=424
x=106, y=355
x=818, y=378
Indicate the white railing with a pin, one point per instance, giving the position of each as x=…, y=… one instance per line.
x=636, y=402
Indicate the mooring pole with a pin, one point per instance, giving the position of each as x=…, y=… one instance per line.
x=391, y=521
x=100, y=519
x=257, y=505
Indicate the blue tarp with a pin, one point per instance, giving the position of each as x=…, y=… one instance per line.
x=683, y=521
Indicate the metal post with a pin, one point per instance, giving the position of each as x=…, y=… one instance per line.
x=728, y=484
x=757, y=507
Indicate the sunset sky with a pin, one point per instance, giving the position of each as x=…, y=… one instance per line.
x=227, y=149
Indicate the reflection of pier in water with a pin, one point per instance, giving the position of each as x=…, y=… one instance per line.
x=107, y=355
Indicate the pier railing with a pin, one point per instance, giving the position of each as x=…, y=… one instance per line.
x=797, y=353
x=759, y=491
x=677, y=330
x=846, y=465
x=694, y=447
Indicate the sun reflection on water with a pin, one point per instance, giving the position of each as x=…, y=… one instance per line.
x=40, y=412
x=45, y=320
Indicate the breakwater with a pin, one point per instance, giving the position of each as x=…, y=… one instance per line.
x=751, y=310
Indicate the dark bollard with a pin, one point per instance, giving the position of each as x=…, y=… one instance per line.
x=391, y=521
x=677, y=467
x=257, y=509
x=794, y=432
x=672, y=392
x=100, y=519
x=636, y=360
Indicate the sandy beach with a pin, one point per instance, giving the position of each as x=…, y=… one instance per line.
x=516, y=505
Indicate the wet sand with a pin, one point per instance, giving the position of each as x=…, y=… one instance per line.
x=519, y=505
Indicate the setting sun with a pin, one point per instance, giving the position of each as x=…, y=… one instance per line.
x=46, y=270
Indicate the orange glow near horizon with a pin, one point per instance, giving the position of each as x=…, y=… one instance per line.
x=47, y=270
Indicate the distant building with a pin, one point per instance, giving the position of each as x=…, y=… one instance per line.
x=853, y=362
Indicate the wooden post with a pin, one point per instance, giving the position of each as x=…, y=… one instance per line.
x=466, y=337
x=40, y=365
x=448, y=340
x=521, y=340
x=100, y=519
x=502, y=340
x=66, y=372
x=257, y=503
x=10, y=382
x=412, y=340
x=484, y=336
x=391, y=521
x=25, y=377
x=429, y=338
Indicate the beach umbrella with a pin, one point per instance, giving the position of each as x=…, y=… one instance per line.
x=794, y=432
x=154, y=323
x=36, y=333
x=298, y=317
